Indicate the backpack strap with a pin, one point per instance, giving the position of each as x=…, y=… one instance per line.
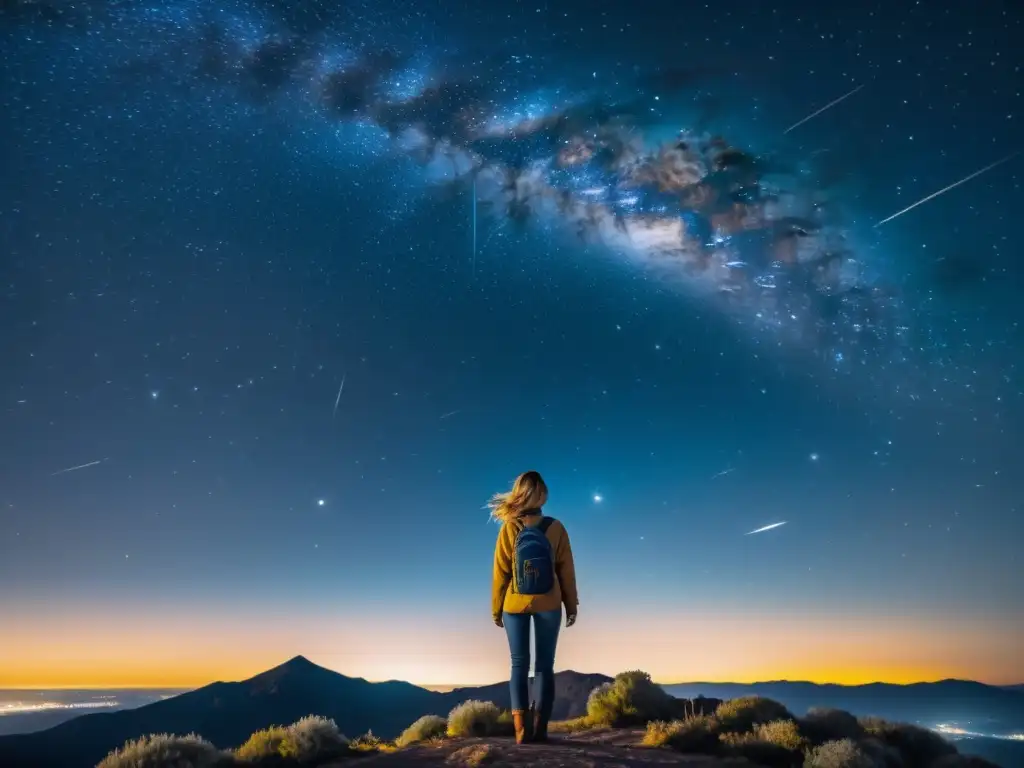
x=545, y=523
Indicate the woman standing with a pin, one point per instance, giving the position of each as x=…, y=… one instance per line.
x=533, y=577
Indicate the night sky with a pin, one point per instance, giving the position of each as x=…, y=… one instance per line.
x=288, y=290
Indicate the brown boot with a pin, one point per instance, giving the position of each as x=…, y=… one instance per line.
x=540, y=728
x=523, y=726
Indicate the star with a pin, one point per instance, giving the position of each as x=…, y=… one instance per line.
x=814, y=457
x=598, y=498
x=320, y=502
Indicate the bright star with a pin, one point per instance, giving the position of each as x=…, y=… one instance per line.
x=320, y=502
x=598, y=498
x=814, y=457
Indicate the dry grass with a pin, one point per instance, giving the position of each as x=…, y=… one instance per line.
x=694, y=735
x=474, y=718
x=471, y=756
x=842, y=753
x=758, y=751
x=782, y=733
x=426, y=728
x=311, y=738
x=164, y=750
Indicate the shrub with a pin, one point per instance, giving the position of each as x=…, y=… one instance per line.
x=426, y=728
x=270, y=742
x=918, y=746
x=782, y=733
x=695, y=734
x=368, y=743
x=884, y=755
x=163, y=750
x=822, y=724
x=473, y=718
x=842, y=753
x=504, y=726
x=963, y=761
x=757, y=750
x=306, y=740
x=317, y=737
x=742, y=714
x=630, y=699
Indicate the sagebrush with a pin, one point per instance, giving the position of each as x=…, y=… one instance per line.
x=632, y=698
x=426, y=728
x=164, y=750
x=473, y=718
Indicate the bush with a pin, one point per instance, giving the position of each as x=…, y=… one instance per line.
x=368, y=743
x=630, y=699
x=742, y=714
x=822, y=724
x=883, y=754
x=505, y=725
x=963, y=761
x=842, y=753
x=426, y=728
x=163, y=750
x=306, y=740
x=918, y=746
x=781, y=733
x=758, y=751
x=316, y=737
x=473, y=718
x=694, y=735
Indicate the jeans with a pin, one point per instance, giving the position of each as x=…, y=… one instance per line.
x=517, y=627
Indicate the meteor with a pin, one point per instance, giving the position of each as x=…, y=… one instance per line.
x=80, y=466
x=944, y=190
x=827, y=106
x=765, y=528
x=338, y=398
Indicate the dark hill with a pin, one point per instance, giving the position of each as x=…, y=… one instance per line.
x=228, y=713
x=931, y=703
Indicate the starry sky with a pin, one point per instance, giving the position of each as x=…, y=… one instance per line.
x=290, y=289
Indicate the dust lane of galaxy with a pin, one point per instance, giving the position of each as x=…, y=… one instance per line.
x=752, y=235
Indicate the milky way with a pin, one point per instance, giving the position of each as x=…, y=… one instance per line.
x=754, y=235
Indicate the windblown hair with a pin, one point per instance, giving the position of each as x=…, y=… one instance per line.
x=528, y=492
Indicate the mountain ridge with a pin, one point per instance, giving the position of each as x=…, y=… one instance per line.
x=227, y=713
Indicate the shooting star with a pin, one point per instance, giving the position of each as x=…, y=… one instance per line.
x=827, y=106
x=338, y=398
x=450, y=413
x=765, y=528
x=955, y=184
x=80, y=466
x=723, y=472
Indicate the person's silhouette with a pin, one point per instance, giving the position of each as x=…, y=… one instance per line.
x=534, y=576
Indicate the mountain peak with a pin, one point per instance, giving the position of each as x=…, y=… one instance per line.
x=299, y=662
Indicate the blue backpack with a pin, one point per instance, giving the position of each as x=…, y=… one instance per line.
x=533, y=562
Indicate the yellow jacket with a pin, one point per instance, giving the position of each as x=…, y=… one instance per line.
x=503, y=598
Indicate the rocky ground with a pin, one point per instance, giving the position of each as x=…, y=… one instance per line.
x=603, y=749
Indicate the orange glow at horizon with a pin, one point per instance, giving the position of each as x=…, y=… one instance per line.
x=167, y=651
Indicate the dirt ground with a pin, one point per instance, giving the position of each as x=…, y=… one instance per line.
x=603, y=749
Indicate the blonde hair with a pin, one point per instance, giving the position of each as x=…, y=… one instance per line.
x=528, y=492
